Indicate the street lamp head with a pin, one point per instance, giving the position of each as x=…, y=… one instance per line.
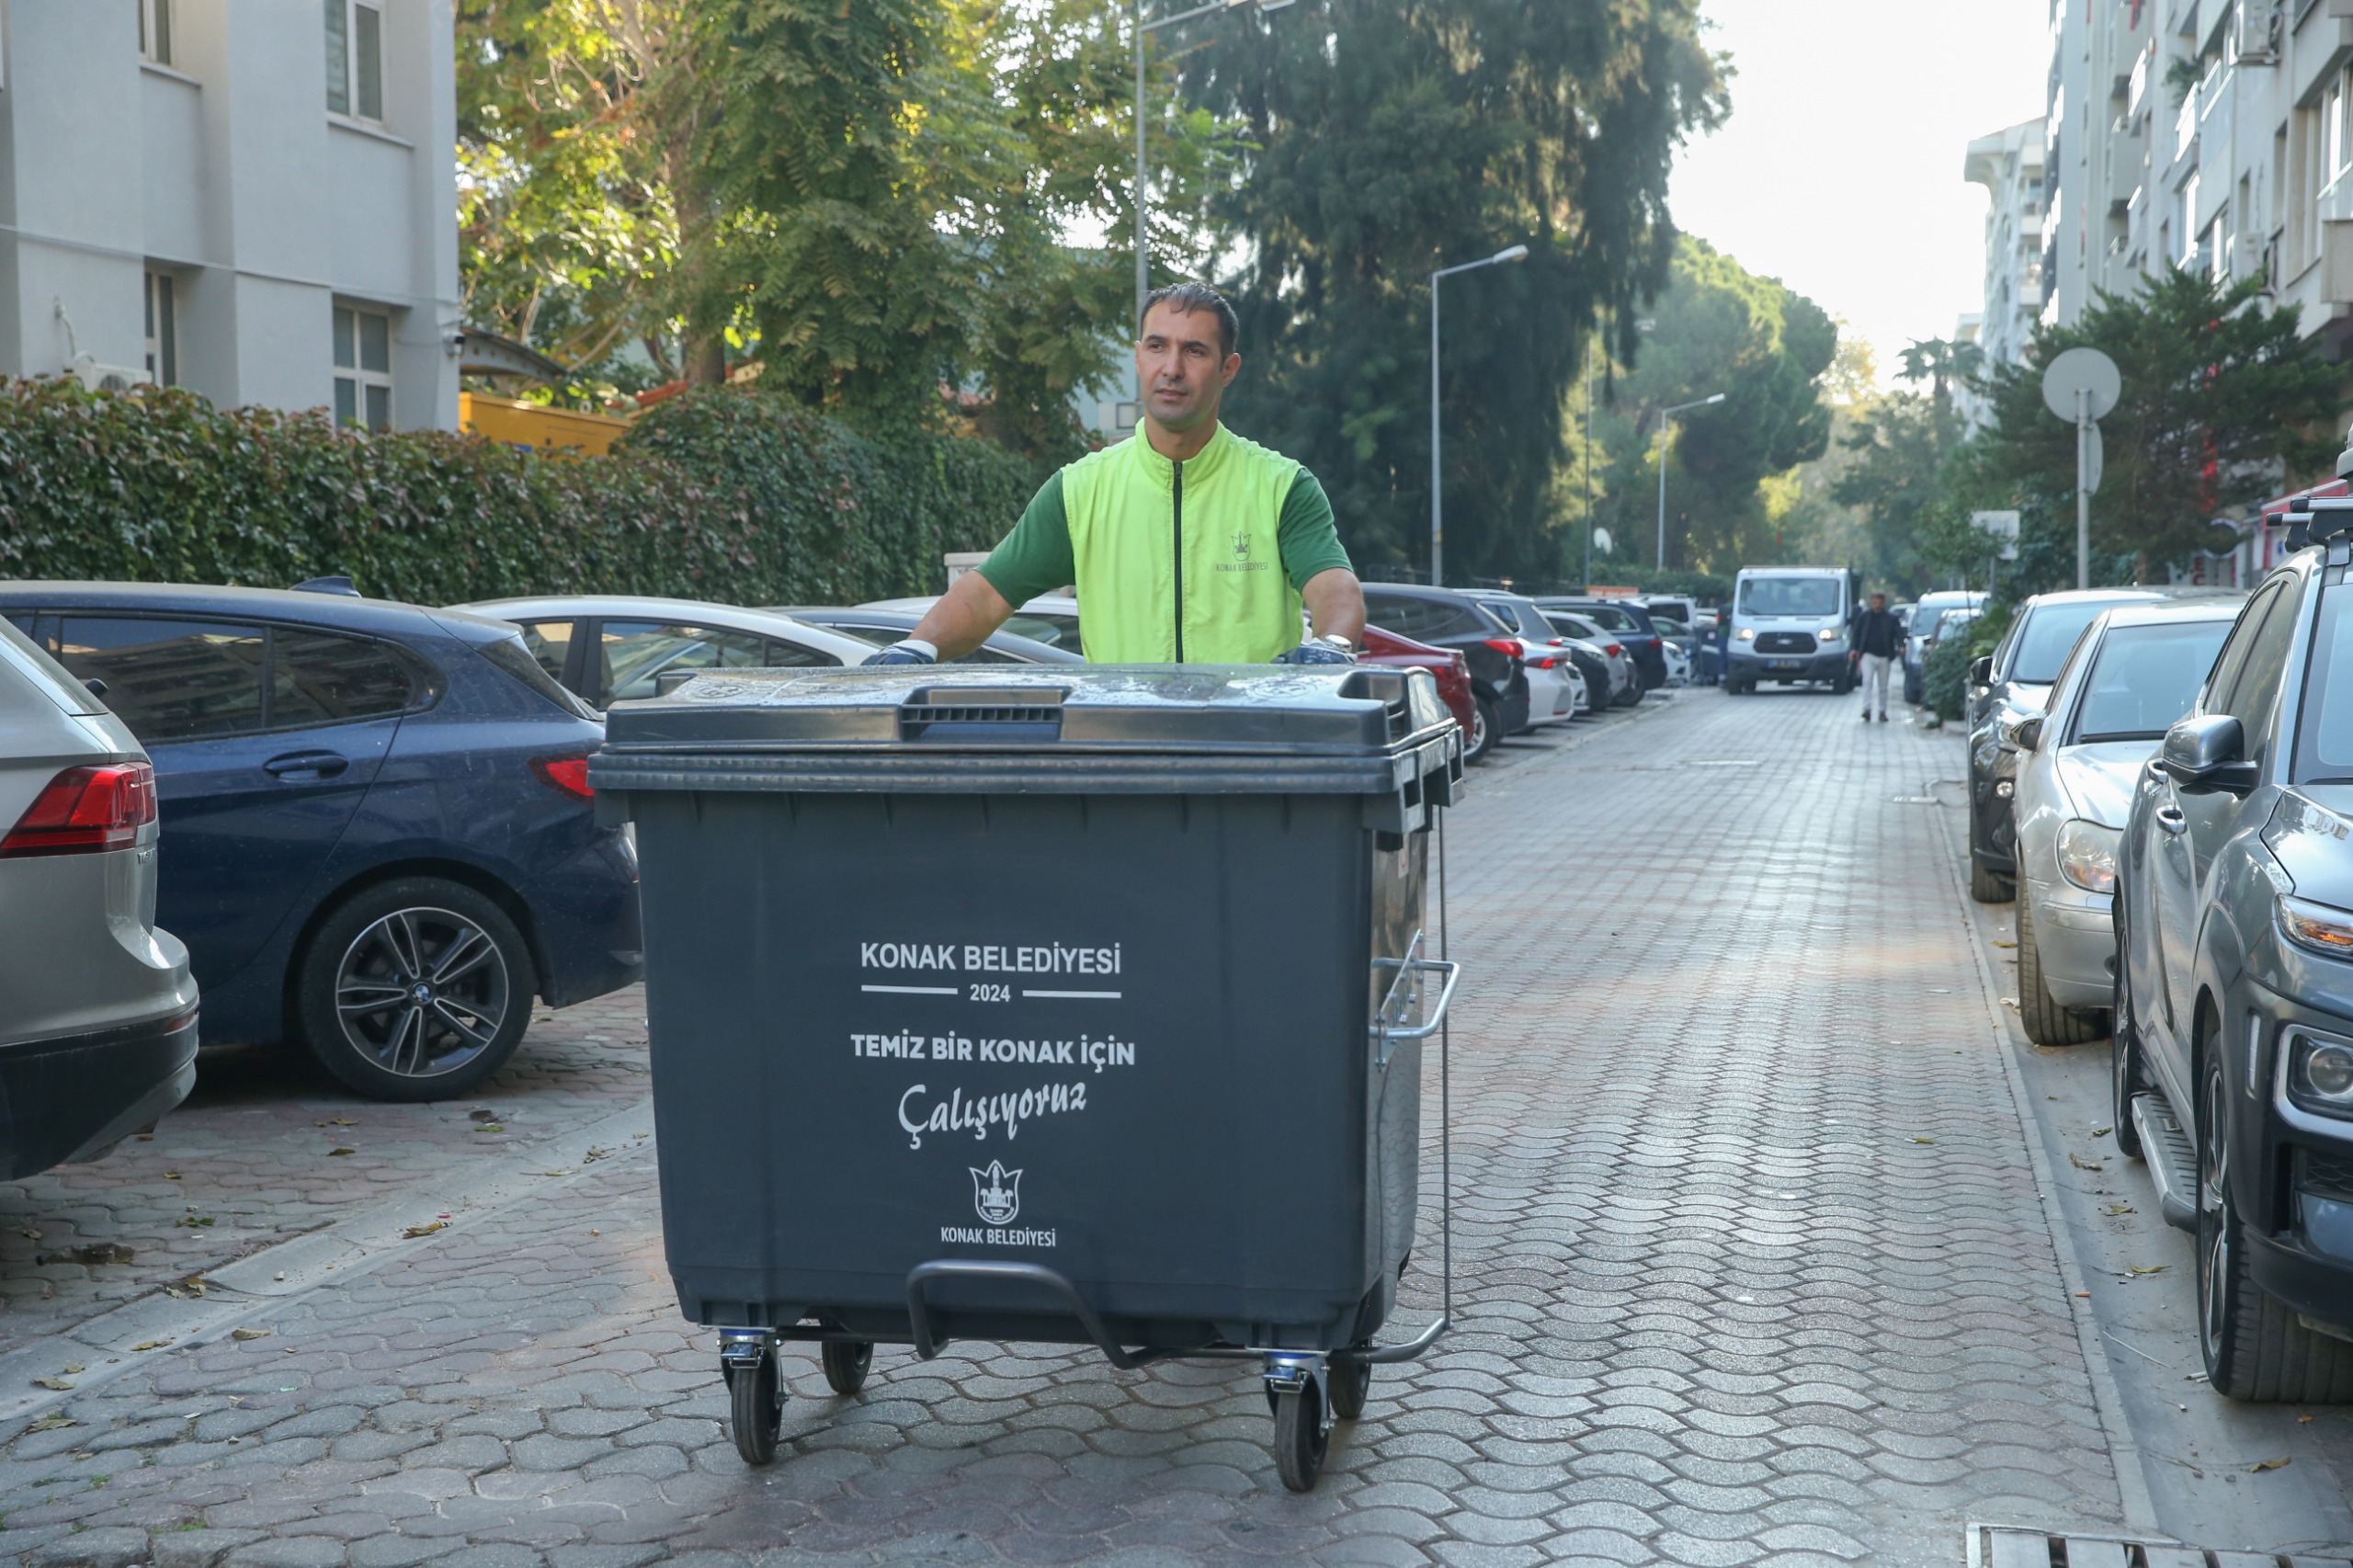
x=1705, y=401
x=1517, y=253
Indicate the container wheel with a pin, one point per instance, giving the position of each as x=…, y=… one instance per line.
x=845, y=1366
x=757, y=1401
x=1347, y=1382
x=1300, y=1437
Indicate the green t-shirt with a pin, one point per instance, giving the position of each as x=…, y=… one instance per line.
x=1035, y=557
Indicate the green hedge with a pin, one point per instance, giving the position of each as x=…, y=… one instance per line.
x=727, y=494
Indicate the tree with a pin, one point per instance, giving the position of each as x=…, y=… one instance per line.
x=1394, y=137
x=2222, y=396
x=869, y=200
x=1716, y=328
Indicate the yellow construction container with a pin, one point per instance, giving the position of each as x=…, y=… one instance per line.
x=538, y=430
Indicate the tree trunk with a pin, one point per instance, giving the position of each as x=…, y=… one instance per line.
x=706, y=361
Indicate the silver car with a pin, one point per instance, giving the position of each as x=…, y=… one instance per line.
x=606, y=648
x=98, y=1010
x=2134, y=671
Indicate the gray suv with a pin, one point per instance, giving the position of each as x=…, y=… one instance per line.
x=98, y=1010
x=2233, y=995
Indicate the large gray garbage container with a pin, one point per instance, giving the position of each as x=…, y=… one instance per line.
x=1070, y=1005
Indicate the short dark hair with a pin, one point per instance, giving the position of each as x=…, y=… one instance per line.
x=1190, y=298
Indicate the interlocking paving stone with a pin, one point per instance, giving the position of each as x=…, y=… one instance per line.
x=1715, y=1304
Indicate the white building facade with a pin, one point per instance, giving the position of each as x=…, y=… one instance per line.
x=253, y=199
x=2008, y=163
x=2209, y=134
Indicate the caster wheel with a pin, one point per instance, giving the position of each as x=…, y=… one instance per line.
x=1300, y=1437
x=846, y=1366
x=1346, y=1381
x=757, y=1401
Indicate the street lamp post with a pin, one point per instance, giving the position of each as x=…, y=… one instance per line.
x=1437, y=497
x=1143, y=237
x=1662, y=416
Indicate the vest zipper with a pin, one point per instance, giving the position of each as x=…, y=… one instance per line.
x=1176, y=532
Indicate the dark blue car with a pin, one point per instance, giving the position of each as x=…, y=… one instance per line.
x=378, y=837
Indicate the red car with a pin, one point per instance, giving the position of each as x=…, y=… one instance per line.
x=1454, y=682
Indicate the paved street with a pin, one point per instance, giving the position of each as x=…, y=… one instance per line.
x=1755, y=1261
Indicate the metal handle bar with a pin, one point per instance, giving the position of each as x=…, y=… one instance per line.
x=929, y=1344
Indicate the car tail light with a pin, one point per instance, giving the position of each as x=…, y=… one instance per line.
x=1516, y=650
x=568, y=774
x=1614, y=649
x=87, y=809
x=1546, y=662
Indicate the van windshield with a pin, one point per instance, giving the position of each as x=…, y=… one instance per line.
x=1809, y=597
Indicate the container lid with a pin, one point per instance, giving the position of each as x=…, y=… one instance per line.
x=1064, y=728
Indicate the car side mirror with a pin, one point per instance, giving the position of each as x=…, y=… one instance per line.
x=2023, y=734
x=1981, y=670
x=2207, y=753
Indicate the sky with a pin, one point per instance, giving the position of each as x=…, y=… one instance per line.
x=1839, y=170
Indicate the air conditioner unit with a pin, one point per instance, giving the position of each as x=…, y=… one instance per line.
x=2260, y=26
x=107, y=378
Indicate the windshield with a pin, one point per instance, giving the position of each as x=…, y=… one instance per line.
x=1520, y=616
x=1570, y=626
x=2049, y=630
x=2324, y=750
x=1054, y=631
x=2144, y=678
x=1816, y=597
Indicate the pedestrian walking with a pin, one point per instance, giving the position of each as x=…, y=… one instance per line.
x=1876, y=643
x=1188, y=543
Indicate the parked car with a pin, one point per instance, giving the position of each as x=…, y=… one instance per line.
x=2004, y=686
x=1925, y=614
x=1050, y=619
x=2234, y=1028
x=2133, y=672
x=1630, y=625
x=1610, y=677
x=97, y=1008
x=1554, y=686
x=1789, y=624
x=1453, y=676
x=1444, y=619
x=884, y=627
x=377, y=836
x=1677, y=608
x=609, y=648
x=1679, y=664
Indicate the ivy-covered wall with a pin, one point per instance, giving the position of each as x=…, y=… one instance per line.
x=727, y=494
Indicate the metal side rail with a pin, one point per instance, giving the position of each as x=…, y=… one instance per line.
x=2173, y=1163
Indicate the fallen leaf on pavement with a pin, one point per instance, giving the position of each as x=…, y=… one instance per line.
x=71, y=1370
x=28, y=1230
x=192, y=1221
x=2261, y=1465
x=2147, y=1268
x=488, y=1127
x=332, y=1153
x=2113, y=1209
x=593, y=1155
x=60, y=1384
x=2081, y=1164
x=2000, y=944
x=2102, y=1131
x=336, y=1121
x=2011, y=1003
x=2305, y=1420
x=415, y=1230
x=194, y=1285
x=1924, y=1140
x=171, y=1176
x=93, y=1252
x=249, y=1333
x=50, y=1424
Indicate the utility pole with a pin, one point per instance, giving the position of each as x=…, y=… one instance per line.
x=1438, y=484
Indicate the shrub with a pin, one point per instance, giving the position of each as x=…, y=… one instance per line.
x=725, y=495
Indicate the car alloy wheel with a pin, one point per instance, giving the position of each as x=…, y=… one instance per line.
x=2216, y=1245
x=422, y=992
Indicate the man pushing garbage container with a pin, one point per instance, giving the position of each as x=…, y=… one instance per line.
x=1187, y=544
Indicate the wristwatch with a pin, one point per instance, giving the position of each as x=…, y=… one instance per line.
x=1335, y=641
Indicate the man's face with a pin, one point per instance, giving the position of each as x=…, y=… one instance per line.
x=1179, y=366
x=1878, y=602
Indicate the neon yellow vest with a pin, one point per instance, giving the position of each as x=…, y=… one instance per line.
x=1180, y=563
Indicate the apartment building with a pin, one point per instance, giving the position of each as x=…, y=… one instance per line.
x=253, y=199
x=2009, y=165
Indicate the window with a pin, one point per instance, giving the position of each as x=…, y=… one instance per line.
x=317, y=678
x=2256, y=689
x=2048, y=633
x=511, y=656
x=356, y=58
x=1054, y=631
x=170, y=680
x=2326, y=749
x=1813, y=598
x=634, y=654
x=2143, y=677
x=2234, y=655
x=163, y=331
x=363, y=368
x=155, y=30
x=551, y=643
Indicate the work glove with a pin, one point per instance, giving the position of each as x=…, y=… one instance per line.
x=1319, y=650
x=910, y=652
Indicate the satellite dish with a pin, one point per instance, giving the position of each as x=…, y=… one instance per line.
x=2081, y=369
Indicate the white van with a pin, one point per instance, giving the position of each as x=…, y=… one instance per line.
x=1789, y=624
